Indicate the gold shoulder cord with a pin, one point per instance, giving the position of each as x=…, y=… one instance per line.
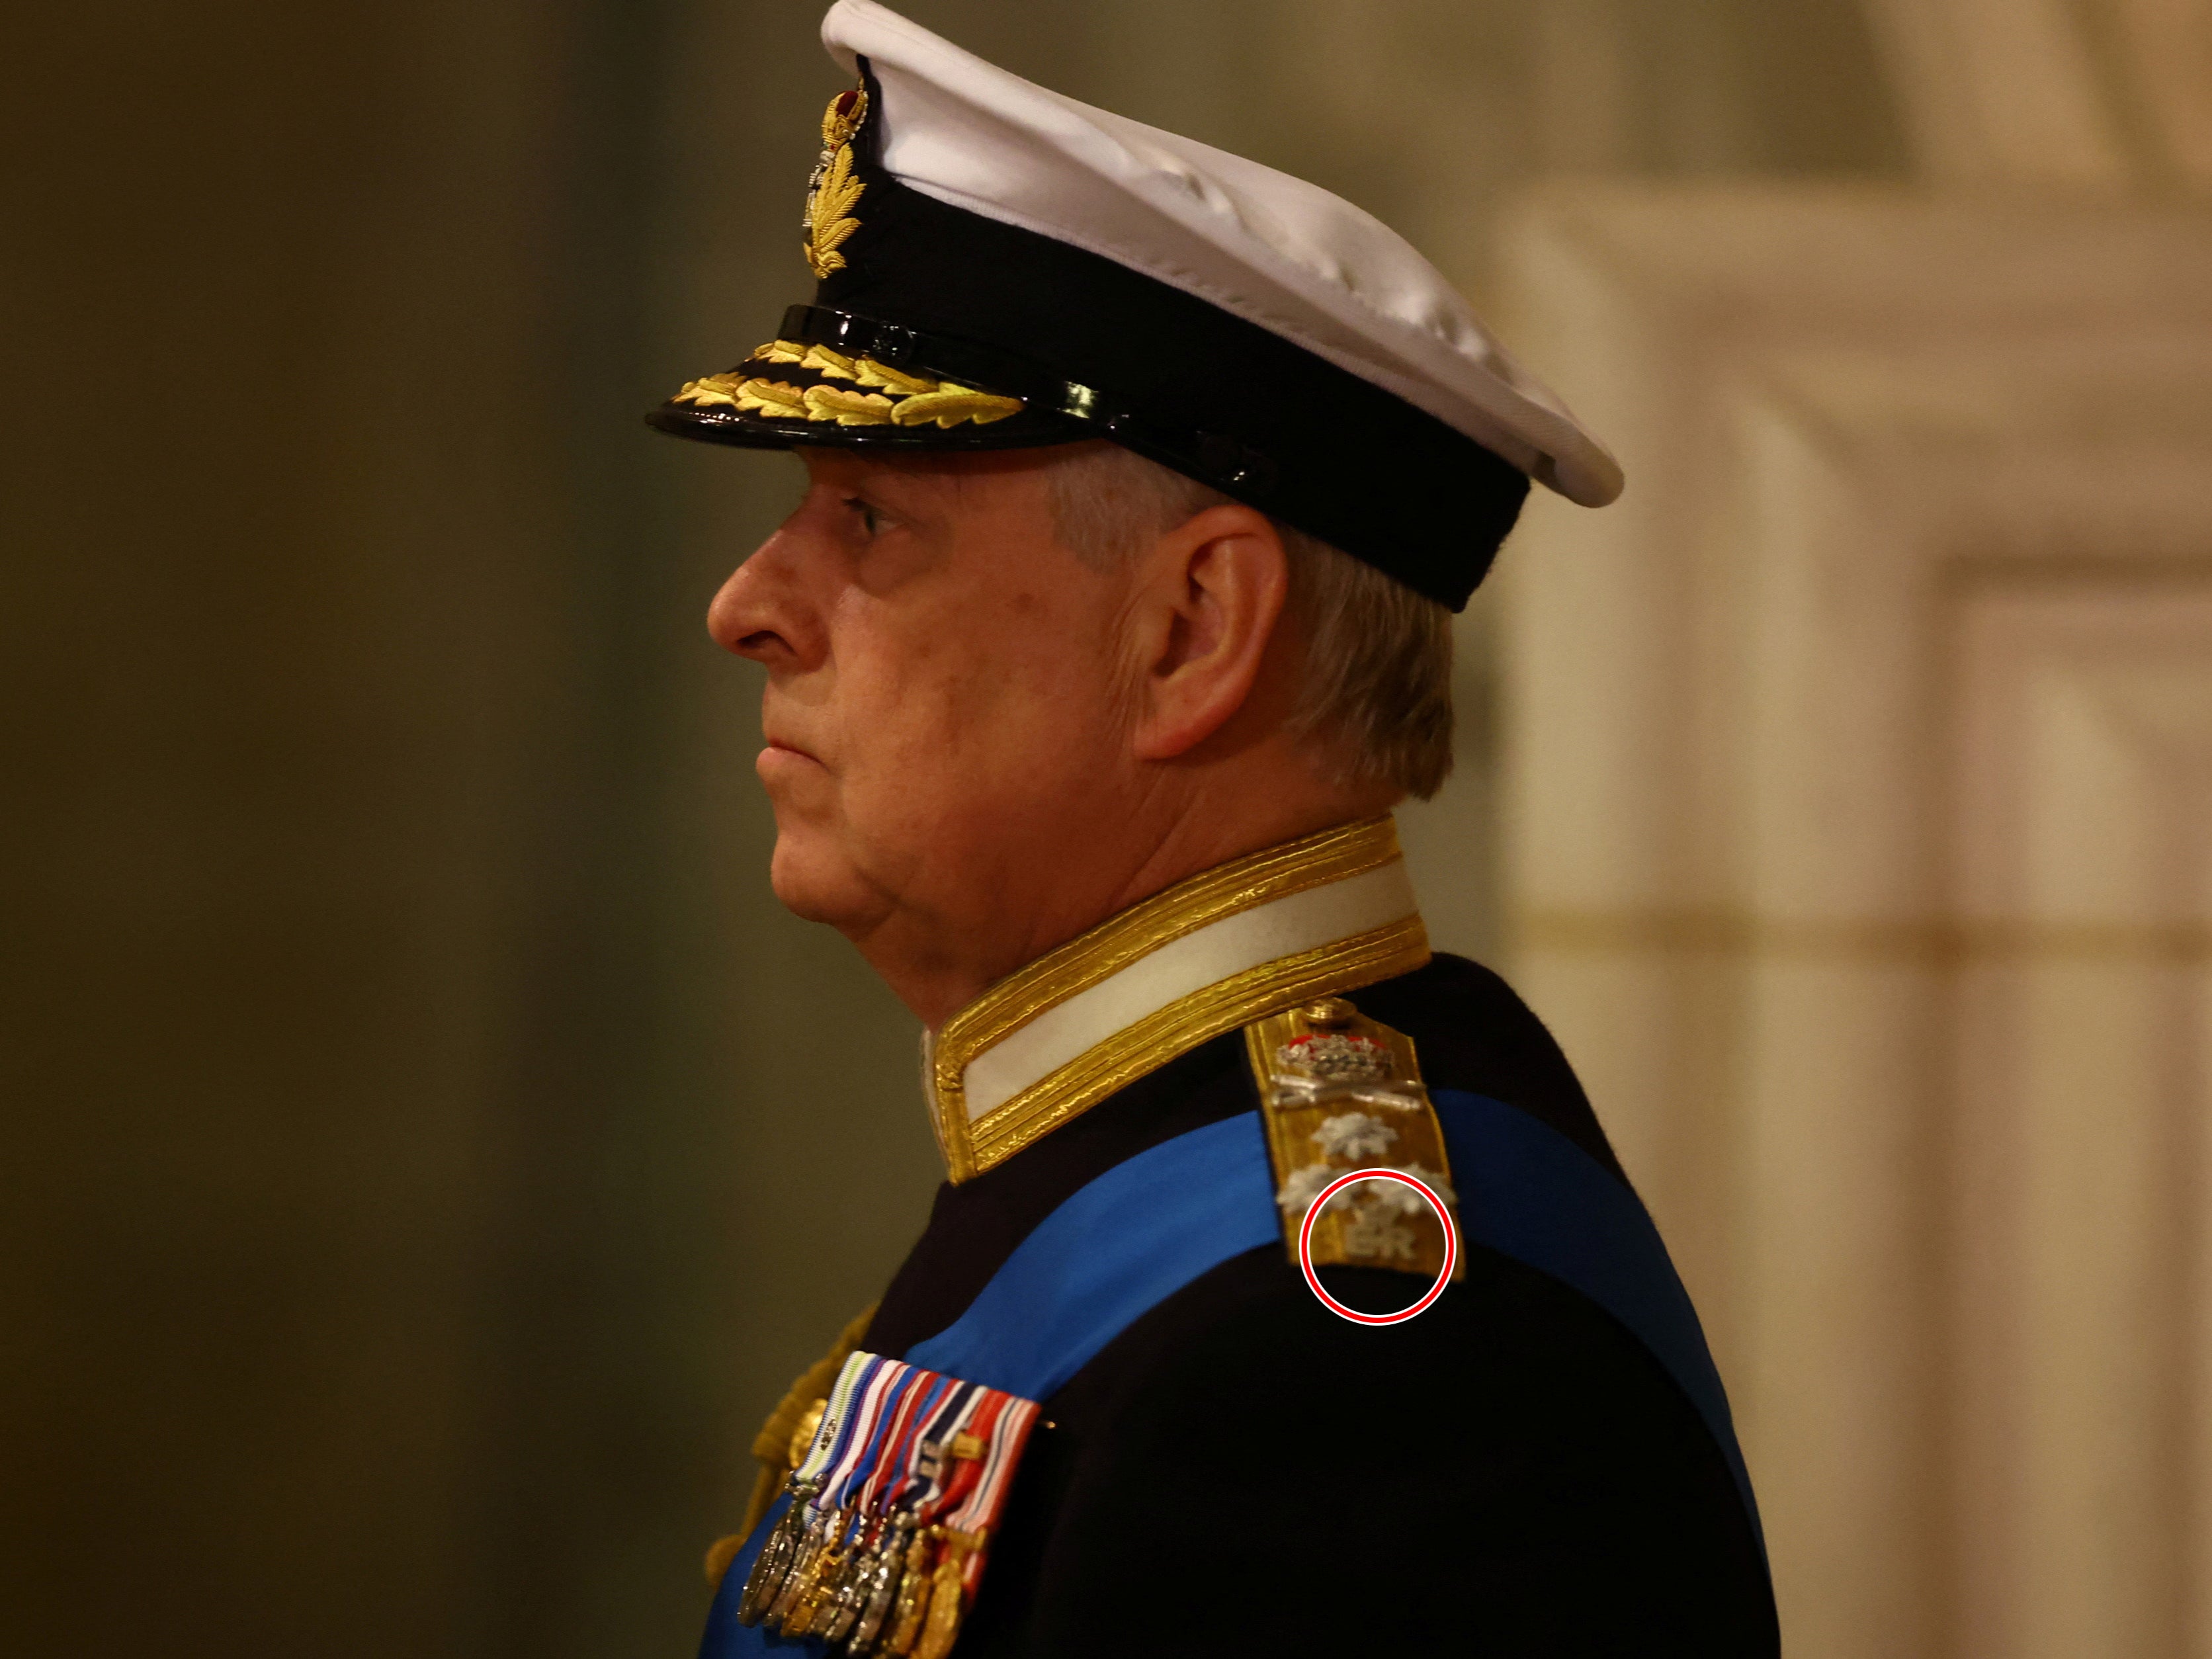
x=783, y=1440
x=1340, y=1091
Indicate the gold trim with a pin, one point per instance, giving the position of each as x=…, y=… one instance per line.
x=1145, y=1047
x=1227, y=889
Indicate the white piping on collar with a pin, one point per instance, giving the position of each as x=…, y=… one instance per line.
x=1301, y=921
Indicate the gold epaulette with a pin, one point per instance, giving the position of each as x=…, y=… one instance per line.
x=1340, y=1092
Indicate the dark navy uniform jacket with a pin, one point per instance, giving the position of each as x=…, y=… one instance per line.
x=1241, y=1471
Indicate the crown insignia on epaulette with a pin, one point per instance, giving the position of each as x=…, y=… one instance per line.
x=1336, y=1057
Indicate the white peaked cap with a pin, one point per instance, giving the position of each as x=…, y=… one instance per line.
x=1281, y=253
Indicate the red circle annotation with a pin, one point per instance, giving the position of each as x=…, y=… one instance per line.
x=1313, y=1279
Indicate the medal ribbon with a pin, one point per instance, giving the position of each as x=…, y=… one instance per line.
x=880, y=1470
x=857, y=1368
x=853, y=1440
x=967, y=1471
x=896, y=1466
x=978, y=1517
x=988, y=1496
x=895, y=1382
x=926, y=1478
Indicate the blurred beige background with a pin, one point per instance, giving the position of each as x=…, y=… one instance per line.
x=428, y=1149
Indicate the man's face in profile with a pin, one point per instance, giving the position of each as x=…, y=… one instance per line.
x=941, y=709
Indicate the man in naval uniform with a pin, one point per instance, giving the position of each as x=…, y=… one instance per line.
x=1142, y=483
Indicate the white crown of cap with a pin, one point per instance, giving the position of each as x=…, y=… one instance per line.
x=1262, y=246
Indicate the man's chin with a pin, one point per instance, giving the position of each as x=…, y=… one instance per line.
x=815, y=884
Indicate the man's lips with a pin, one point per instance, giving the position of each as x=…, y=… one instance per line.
x=786, y=746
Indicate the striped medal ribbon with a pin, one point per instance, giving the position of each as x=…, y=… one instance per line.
x=914, y=1475
x=871, y=1524
x=883, y=1406
x=971, y=1508
x=929, y=1599
x=868, y=1593
x=822, y=1521
x=891, y=1514
x=772, y=1569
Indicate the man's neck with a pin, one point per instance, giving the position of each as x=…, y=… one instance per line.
x=939, y=965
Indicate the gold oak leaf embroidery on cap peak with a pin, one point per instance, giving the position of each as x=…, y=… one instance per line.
x=773, y=397
x=829, y=403
x=834, y=364
x=712, y=390
x=913, y=399
x=885, y=378
x=950, y=404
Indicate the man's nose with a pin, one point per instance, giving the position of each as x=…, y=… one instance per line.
x=761, y=610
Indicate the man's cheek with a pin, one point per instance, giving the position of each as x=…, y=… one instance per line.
x=919, y=726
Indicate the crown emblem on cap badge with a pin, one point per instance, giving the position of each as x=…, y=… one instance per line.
x=832, y=192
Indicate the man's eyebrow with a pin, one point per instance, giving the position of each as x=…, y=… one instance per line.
x=912, y=476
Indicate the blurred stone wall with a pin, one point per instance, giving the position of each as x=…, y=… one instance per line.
x=428, y=1147
x=1856, y=772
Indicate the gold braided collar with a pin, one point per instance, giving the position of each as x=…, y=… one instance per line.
x=1314, y=917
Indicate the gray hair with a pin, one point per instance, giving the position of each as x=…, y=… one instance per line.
x=1374, y=698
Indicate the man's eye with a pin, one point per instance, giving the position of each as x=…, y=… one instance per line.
x=871, y=521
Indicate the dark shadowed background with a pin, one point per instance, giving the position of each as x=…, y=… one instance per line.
x=428, y=1149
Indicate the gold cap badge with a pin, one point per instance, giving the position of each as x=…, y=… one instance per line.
x=832, y=192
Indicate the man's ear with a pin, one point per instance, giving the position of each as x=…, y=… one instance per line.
x=1208, y=596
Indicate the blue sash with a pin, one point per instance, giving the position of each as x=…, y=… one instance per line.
x=1087, y=1273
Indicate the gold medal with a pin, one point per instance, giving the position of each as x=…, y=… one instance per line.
x=913, y=1603
x=821, y=1580
x=813, y=1552
x=947, y=1597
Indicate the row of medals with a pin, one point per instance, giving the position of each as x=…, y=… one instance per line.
x=877, y=1583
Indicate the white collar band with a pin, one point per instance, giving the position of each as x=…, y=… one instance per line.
x=1311, y=918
